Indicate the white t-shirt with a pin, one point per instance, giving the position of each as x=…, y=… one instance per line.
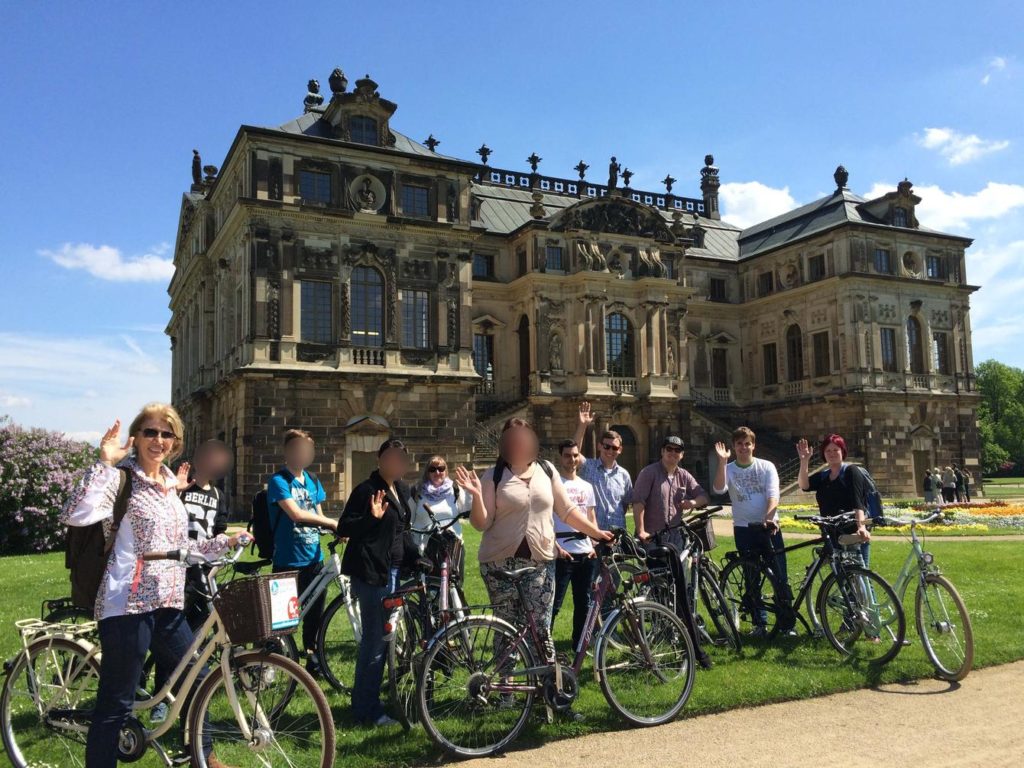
x=581, y=493
x=750, y=489
x=444, y=510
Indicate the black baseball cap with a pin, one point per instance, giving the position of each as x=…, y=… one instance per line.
x=673, y=440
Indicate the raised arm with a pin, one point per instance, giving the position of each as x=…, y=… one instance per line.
x=92, y=498
x=584, y=418
x=720, y=485
x=803, y=450
x=479, y=516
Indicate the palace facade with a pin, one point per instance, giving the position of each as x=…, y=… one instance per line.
x=337, y=276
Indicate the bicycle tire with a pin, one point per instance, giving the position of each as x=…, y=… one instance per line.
x=744, y=613
x=253, y=673
x=460, y=714
x=718, y=610
x=24, y=748
x=938, y=618
x=336, y=645
x=403, y=657
x=845, y=632
x=663, y=689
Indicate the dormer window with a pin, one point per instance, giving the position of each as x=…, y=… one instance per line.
x=363, y=130
x=899, y=217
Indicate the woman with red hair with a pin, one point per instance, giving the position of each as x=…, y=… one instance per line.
x=839, y=487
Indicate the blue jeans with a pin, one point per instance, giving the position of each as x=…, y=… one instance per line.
x=579, y=572
x=752, y=542
x=125, y=641
x=366, y=703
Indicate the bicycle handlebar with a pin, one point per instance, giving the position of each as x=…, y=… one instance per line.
x=193, y=557
x=819, y=520
x=438, y=526
x=896, y=521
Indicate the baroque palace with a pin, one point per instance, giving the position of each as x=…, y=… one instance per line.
x=337, y=276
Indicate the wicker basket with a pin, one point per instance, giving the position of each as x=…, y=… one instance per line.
x=705, y=533
x=257, y=608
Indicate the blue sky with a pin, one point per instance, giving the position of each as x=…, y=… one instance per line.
x=103, y=103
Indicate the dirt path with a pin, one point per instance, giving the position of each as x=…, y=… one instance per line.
x=921, y=723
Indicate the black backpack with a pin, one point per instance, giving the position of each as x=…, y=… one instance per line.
x=261, y=526
x=87, y=548
x=502, y=465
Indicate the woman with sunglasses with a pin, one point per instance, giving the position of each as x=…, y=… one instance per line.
x=446, y=500
x=140, y=602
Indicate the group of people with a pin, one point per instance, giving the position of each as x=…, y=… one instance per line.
x=520, y=506
x=950, y=485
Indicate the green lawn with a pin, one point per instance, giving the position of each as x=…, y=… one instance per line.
x=989, y=575
x=1004, y=488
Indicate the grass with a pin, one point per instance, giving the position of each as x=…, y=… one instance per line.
x=989, y=575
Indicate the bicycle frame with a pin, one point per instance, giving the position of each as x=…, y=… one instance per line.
x=917, y=564
x=331, y=572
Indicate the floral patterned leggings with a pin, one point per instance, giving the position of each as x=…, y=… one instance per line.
x=538, y=589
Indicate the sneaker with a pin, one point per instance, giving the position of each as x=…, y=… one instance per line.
x=573, y=716
x=759, y=632
x=384, y=721
x=313, y=667
x=159, y=713
x=704, y=660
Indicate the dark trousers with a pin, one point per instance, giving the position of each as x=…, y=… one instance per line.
x=753, y=542
x=369, y=674
x=949, y=495
x=125, y=641
x=311, y=622
x=579, y=571
x=197, y=611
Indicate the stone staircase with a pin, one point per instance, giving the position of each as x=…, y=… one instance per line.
x=491, y=415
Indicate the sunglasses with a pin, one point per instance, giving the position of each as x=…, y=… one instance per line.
x=152, y=434
x=609, y=447
x=437, y=469
x=672, y=448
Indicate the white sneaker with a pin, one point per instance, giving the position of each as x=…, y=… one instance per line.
x=384, y=721
x=159, y=713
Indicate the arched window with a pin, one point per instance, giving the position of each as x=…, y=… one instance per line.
x=363, y=130
x=367, y=307
x=915, y=345
x=794, y=353
x=619, y=345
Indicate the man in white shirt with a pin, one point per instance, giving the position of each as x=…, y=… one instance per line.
x=753, y=486
x=575, y=561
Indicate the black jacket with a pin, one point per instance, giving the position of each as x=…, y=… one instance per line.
x=372, y=543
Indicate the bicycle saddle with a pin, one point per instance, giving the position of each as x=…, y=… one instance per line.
x=659, y=553
x=250, y=567
x=517, y=575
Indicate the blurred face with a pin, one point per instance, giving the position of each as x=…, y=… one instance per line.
x=393, y=463
x=833, y=454
x=437, y=471
x=744, y=449
x=567, y=459
x=213, y=462
x=299, y=453
x=519, y=446
x=155, y=440
x=671, y=454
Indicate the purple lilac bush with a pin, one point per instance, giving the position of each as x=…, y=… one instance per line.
x=37, y=471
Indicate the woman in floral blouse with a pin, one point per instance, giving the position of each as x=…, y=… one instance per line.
x=139, y=605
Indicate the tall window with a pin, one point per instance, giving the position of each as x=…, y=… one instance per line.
x=367, y=307
x=816, y=267
x=770, y=362
x=718, y=289
x=822, y=356
x=483, y=265
x=555, y=257
x=765, y=283
x=415, y=200
x=940, y=346
x=887, y=342
x=915, y=345
x=483, y=354
x=315, y=186
x=794, y=353
x=899, y=217
x=936, y=267
x=316, y=309
x=619, y=338
x=363, y=130
x=719, y=367
x=416, y=319
x=883, y=261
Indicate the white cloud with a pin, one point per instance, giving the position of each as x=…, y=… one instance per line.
x=108, y=263
x=750, y=202
x=8, y=400
x=954, y=211
x=959, y=148
x=995, y=64
x=80, y=384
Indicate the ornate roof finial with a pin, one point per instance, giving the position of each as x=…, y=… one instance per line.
x=581, y=169
x=626, y=176
x=534, y=160
x=337, y=81
x=613, y=173
x=197, y=167
x=668, y=181
x=313, y=98
x=841, y=176
x=905, y=187
x=484, y=153
x=430, y=142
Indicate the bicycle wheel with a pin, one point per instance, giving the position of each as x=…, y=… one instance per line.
x=338, y=643
x=458, y=705
x=715, y=614
x=46, y=685
x=404, y=658
x=751, y=593
x=945, y=627
x=644, y=660
x=286, y=730
x=861, y=615
x=810, y=599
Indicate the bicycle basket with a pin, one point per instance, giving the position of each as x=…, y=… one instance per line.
x=705, y=533
x=257, y=608
x=434, y=551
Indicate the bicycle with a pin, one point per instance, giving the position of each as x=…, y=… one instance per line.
x=701, y=579
x=858, y=611
x=940, y=615
x=480, y=674
x=418, y=609
x=245, y=707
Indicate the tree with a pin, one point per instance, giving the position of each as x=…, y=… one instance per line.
x=1000, y=415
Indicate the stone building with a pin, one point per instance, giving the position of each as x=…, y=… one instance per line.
x=337, y=276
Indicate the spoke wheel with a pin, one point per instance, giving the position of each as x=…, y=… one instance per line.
x=716, y=614
x=751, y=593
x=405, y=658
x=338, y=643
x=861, y=615
x=945, y=627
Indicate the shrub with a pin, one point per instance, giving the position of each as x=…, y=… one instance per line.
x=37, y=471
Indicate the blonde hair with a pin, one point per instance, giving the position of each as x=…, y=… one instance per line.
x=167, y=413
x=425, y=477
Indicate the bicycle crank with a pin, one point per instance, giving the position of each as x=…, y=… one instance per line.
x=561, y=699
x=131, y=741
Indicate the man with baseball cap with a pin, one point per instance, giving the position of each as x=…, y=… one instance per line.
x=664, y=491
